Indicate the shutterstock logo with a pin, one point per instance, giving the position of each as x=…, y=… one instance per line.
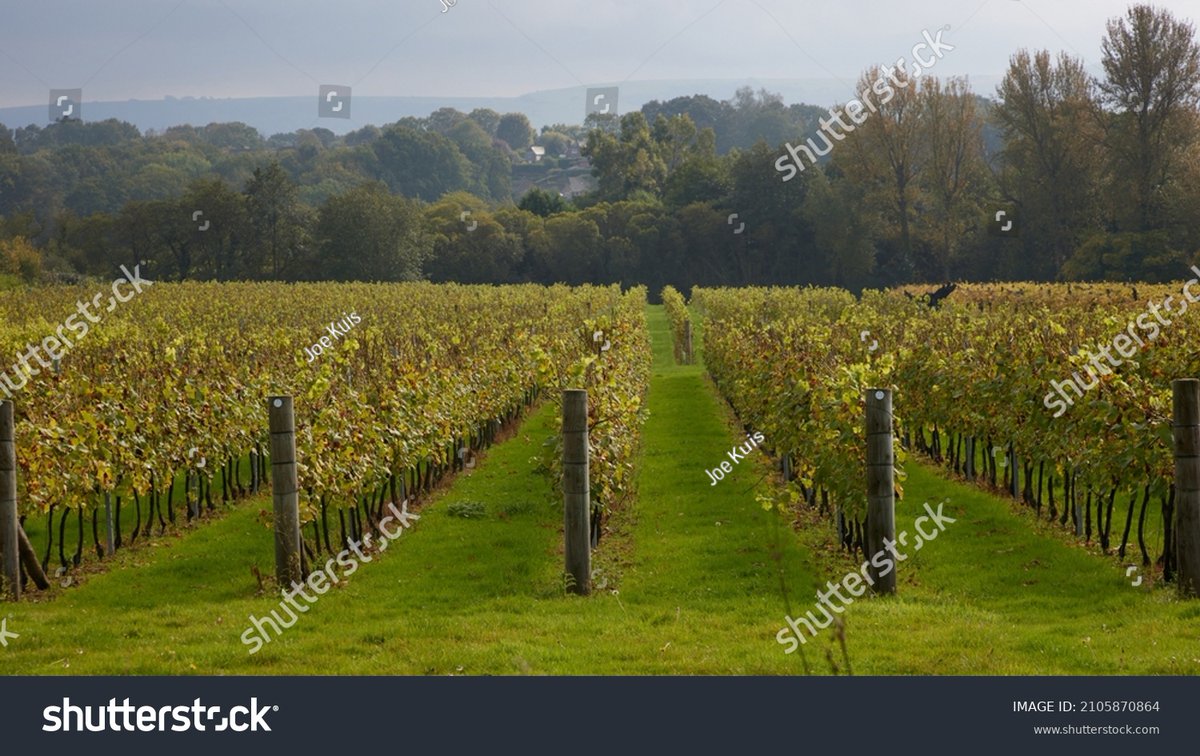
x=333, y=101
x=887, y=81
x=121, y=717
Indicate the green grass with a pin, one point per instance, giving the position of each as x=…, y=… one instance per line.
x=689, y=583
x=997, y=594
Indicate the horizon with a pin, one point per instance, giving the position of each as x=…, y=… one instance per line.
x=415, y=49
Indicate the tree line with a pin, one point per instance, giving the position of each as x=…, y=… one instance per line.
x=1101, y=176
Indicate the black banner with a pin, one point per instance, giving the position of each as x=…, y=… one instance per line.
x=595, y=714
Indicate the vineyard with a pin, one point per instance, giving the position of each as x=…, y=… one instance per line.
x=973, y=380
x=449, y=399
x=166, y=398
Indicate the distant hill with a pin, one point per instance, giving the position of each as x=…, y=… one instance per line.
x=272, y=115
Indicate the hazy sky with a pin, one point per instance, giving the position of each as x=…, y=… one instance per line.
x=146, y=49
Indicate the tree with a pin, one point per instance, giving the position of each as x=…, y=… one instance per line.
x=156, y=181
x=488, y=119
x=276, y=220
x=704, y=252
x=885, y=153
x=491, y=169
x=162, y=223
x=419, y=163
x=1136, y=256
x=1049, y=164
x=93, y=244
x=469, y=245
x=652, y=252
x=365, y=135
x=90, y=195
x=368, y=234
x=775, y=246
x=678, y=140
x=701, y=178
x=234, y=135
x=326, y=137
x=627, y=162
x=443, y=120
x=704, y=112
x=308, y=148
x=515, y=130
x=530, y=231
x=542, y=203
x=955, y=177
x=761, y=116
x=21, y=259
x=134, y=233
x=1152, y=84
x=219, y=232
x=65, y=132
x=471, y=139
x=575, y=248
x=555, y=142
x=843, y=237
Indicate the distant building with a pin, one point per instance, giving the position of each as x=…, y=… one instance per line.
x=536, y=153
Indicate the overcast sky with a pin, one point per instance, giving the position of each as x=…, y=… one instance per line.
x=147, y=49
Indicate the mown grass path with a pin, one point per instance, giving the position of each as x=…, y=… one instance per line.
x=686, y=584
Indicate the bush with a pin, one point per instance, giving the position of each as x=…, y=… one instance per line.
x=1126, y=256
x=20, y=258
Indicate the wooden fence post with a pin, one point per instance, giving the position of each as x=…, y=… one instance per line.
x=687, y=341
x=1186, y=429
x=285, y=491
x=577, y=542
x=881, y=490
x=11, y=573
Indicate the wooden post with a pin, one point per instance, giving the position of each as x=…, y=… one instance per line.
x=577, y=542
x=687, y=341
x=285, y=491
x=11, y=573
x=1186, y=427
x=881, y=490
